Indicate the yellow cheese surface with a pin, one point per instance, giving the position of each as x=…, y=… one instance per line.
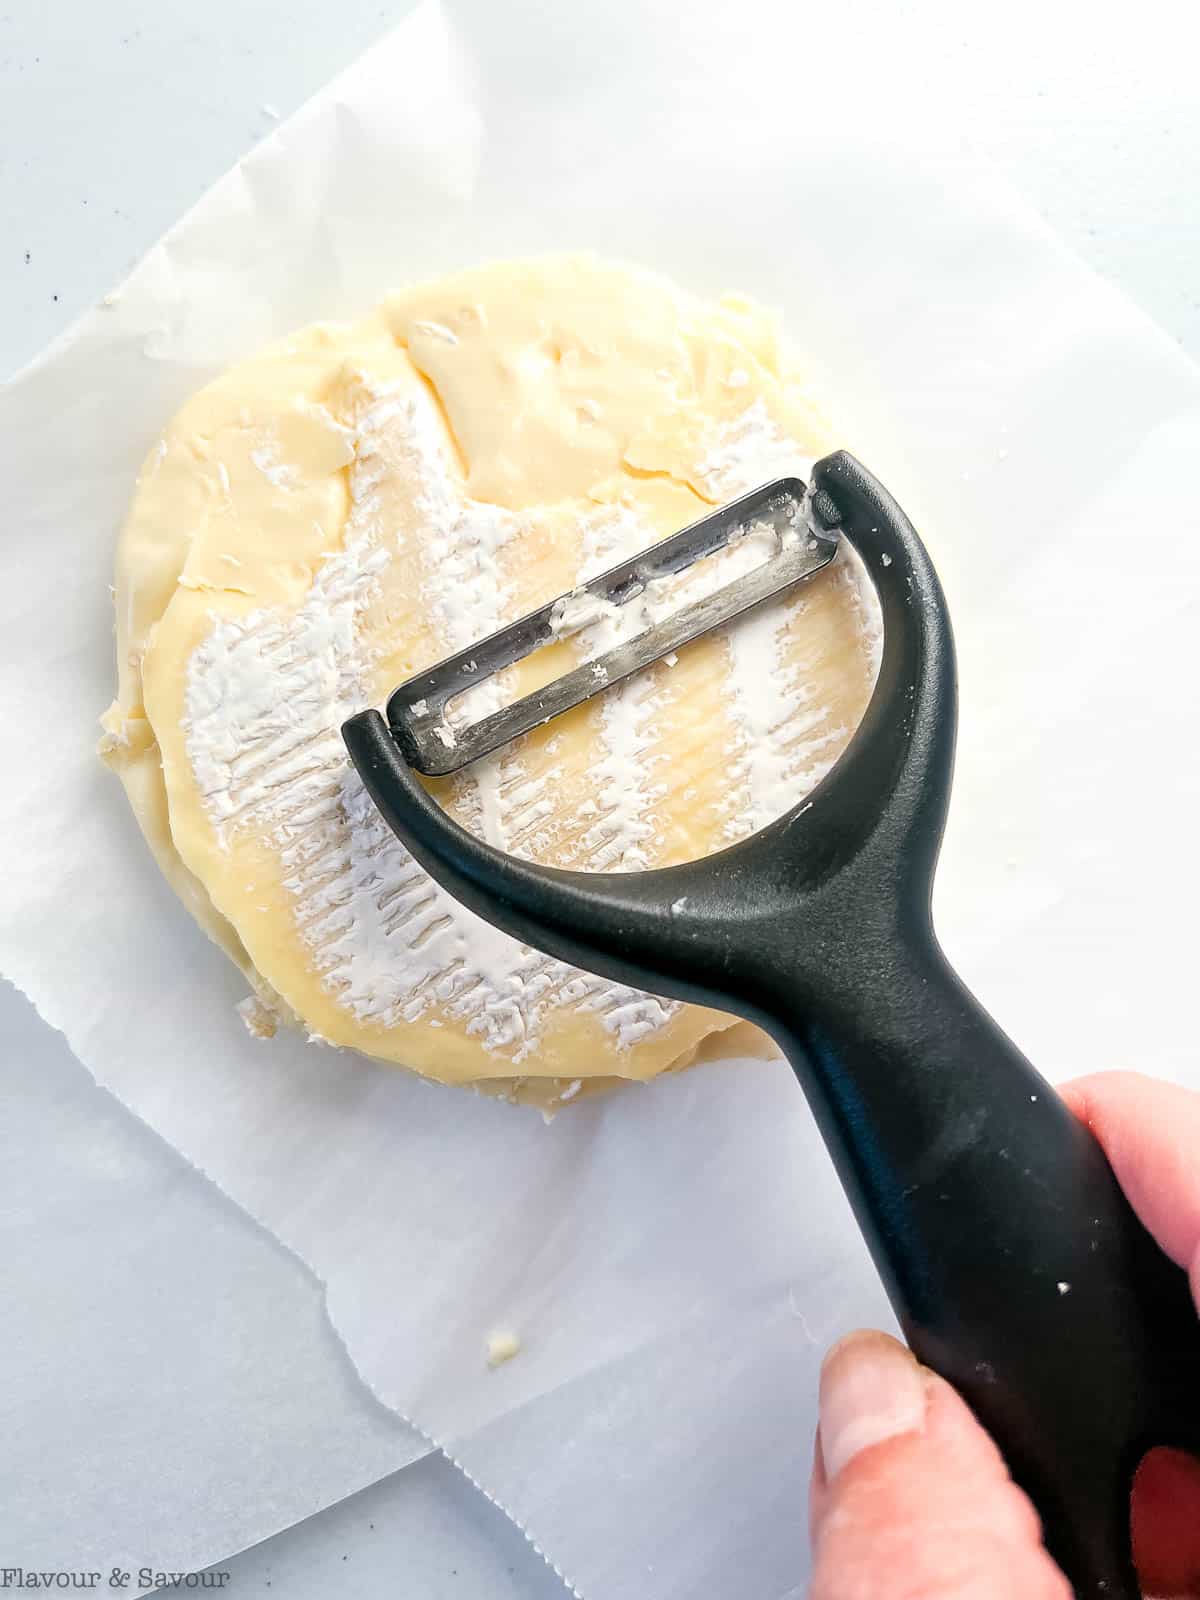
x=356, y=502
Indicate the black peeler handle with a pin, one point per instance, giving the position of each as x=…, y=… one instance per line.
x=1013, y=1261
x=1015, y=1265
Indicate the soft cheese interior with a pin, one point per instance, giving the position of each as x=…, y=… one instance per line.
x=361, y=499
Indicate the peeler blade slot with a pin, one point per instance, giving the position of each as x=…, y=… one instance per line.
x=417, y=711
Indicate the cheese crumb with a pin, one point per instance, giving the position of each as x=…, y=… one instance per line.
x=502, y=1347
x=258, y=1019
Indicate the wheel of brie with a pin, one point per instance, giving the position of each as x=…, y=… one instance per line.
x=357, y=502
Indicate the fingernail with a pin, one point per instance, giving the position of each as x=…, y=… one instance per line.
x=871, y=1389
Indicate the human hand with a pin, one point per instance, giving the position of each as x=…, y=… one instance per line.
x=910, y=1498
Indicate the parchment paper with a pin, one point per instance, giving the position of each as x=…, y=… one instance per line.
x=674, y=1257
x=171, y=1388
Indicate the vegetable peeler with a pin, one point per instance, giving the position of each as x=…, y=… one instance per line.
x=1014, y=1264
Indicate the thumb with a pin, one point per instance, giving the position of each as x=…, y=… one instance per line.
x=910, y=1498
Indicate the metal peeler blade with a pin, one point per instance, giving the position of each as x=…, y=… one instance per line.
x=417, y=711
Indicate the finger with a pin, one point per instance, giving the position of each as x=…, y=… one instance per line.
x=913, y=1498
x=1150, y=1132
x=1165, y=1523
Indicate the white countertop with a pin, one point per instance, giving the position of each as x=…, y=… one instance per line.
x=115, y=116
